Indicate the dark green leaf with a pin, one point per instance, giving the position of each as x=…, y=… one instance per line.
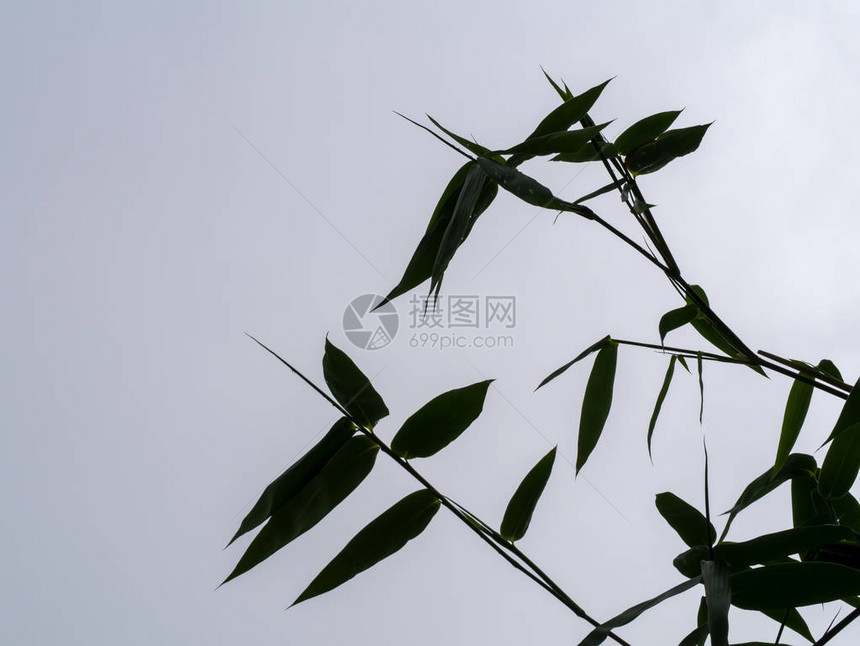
x=599, y=634
x=778, y=545
x=690, y=524
x=683, y=362
x=797, y=464
x=587, y=153
x=458, y=227
x=689, y=563
x=847, y=510
x=829, y=368
x=524, y=187
x=597, y=402
x=808, y=508
x=790, y=585
x=468, y=144
x=519, y=512
x=645, y=130
x=715, y=576
x=592, y=348
x=850, y=413
x=841, y=464
x=351, y=388
x=697, y=637
x=701, y=386
x=569, y=112
x=601, y=191
x=440, y=421
x=553, y=143
x=381, y=538
x=337, y=479
x=652, y=156
x=661, y=396
x=676, y=318
x=290, y=482
x=563, y=93
x=795, y=413
x=420, y=267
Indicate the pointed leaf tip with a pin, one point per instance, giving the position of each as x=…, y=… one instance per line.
x=519, y=511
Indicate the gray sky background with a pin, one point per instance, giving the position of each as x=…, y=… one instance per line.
x=142, y=236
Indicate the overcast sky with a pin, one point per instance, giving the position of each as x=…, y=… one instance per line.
x=177, y=174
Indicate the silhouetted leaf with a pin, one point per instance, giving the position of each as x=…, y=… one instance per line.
x=597, y=402
x=715, y=576
x=792, y=619
x=808, y=507
x=592, y=348
x=790, y=585
x=701, y=386
x=849, y=415
x=674, y=319
x=661, y=396
x=351, y=388
x=440, y=421
x=519, y=511
x=458, y=226
x=381, y=538
x=599, y=634
x=564, y=93
x=797, y=464
x=602, y=191
x=553, y=143
x=337, y=479
x=697, y=637
x=588, y=153
x=847, y=510
x=524, y=187
x=468, y=144
x=829, y=368
x=690, y=524
x=420, y=267
x=652, y=156
x=291, y=481
x=841, y=464
x=795, y=413
x=645, y=130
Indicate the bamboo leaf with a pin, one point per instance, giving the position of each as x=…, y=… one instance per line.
x=674, y=319
x=569, y=112
x=841, y=464
x=701, y=386
x=645, y=130
x=715, y=576
x=795, y=413
x=563, y=93
x=653, y=156
x=791, y=585
x=458, y=226
x=522, y=186
x=290, y=482
x=553, y=143
x=518, y=513
x=351, y=388
x=597, y=402
x=847, y=511
x=792, y=619
x=797, y=464
x=808, y=507
x=587, y=153
x=420, y=267
x=440, y=421
x=849, y=415
x=338, y=478
x=592, y=348
x=690, y=524
x=468, y=144
x=599, y=634
x=381, y=538
x=661, y=396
